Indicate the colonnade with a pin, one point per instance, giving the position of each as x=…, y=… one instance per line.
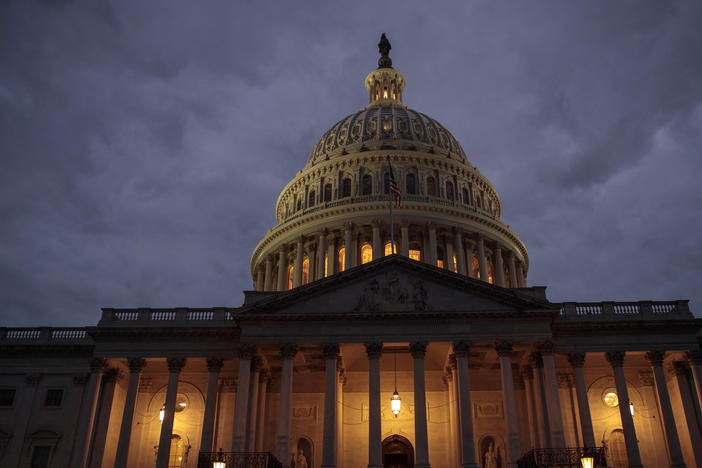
x=445, y=246
x=543, y=406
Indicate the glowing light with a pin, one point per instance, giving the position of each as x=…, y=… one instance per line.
x=587, y=462
x=219, y=462
x=385, y=94
x=162, y=413
x=631, y=408
x=610, y=399
x=395, y=403
x=415, y=254
x=182, y=404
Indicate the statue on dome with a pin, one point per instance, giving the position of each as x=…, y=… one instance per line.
x=384, y=48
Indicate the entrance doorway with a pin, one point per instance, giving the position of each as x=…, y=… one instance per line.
x=397, y=452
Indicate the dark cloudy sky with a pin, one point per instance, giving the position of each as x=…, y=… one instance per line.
x=143, y=144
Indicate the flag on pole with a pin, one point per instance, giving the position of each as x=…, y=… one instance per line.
x=394, y=188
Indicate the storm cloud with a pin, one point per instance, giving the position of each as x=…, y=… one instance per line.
x=143, y=144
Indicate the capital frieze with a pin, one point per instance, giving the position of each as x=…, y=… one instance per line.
x=565, y=379
x=536, y=360
x=527, y=372
x=547, y=347
x=680, y=368
x=615, y=358
x=452, y=361
x=331, y=351
x=503, y=348
x=576, y=360
x=288, y=350
x=112, y=375
x=655, y=358
x=694, y=356
x=646, y=377
x=376, y=223
x=215, y=364
x=246, y=351
x=461, y=348
x=374, y=350
x=81, y=379
x=348, y=226
x=175, y=364
x=136, y=364
x=264, y=376
x=448, y=373
x=256, y=363
x=418, y=349
x=404, y=222
x=98, y=365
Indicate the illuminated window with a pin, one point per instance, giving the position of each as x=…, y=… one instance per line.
x=326, y=264
x=327, y=192
x=476, y=267
x=609, y=398
x=341, y=259
x=411, y=184
x=455, y=265
x=291, y=271
x=440, y=262
x=311, y=199
x=431, y=186
x=489, y=273
x=389, y=246
x=385, y=92
x=346, y=188
x=465, y=196
x=306, y=270
x=175, y=459
x=449, y=190
x=415, y=254
x=366, y=253
x=367, y=185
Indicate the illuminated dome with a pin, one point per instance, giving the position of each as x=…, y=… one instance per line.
x=334, y=214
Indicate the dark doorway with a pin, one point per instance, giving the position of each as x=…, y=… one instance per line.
x=397, y=452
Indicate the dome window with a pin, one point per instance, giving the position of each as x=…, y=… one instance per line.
x=311, y=199
x=366, y=253
x=411, y=184
x=341, y=260
x=465, y=197
x=476, y=267
x=306, y=270
x=449, y=190
x=389, y=246
x=431, y=186
x=367, y=185
x=415, y=254
x=346, y=188
x=291, y=272
x=327, y=192
x=440, y=258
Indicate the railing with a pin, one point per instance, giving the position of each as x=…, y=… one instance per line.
x=239, y=459
x=562, y=457
x=44, y=335
x=642, y=310
x=166, y=315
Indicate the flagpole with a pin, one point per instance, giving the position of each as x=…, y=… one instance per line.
x=390, y=192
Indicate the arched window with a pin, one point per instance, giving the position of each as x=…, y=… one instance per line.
x=388, y=247
x=617, y=449
x=327, y=192
x=490, y=276
x=346, y=188
x=411, y=184
x=386, y=183
x=367, y=185
x=465, y=196
x=299, y=204
x=449, y=190
x=415, y=253
x=306, y=270
x=326, y=264
x=340, y=259
x=440, y=258
x=476, y=267
x=431, y=186
x=175, y=458
x=311, y=199
x=366, y=253
x=291, y=271
x=455, y=265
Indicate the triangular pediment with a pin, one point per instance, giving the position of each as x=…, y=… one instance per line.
x=394, y=285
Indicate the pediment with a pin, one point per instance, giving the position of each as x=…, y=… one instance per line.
x=394, y=285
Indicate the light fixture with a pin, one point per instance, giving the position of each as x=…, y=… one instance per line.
x=587, y=460
x=395, y=401
x=219, y=462
x=631, y=408
x=162, y=413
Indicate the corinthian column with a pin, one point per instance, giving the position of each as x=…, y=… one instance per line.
x=87, y=414
x=377, y=244
x=375, y=449
x=499, y=266
x=537, y=363
x=136, y=365
x=175, y=365
x=431, y=255
x=577, y=361
x=348, y=246
x=331, y=353
x=282, y=269
x=616, y=360
x=695, y=359
x=512, y=270
x=465, y=410
x=214, y=366
x=504, y=351
x=297, y=270
x=321, y=253
x=528, y=376
x=267, y=286
x=553, y=402
x=287, y=352
x=460, y=253
x=482, y=260
x=689, y=411
x=418, y=351
x=246, y=353
x=404, y=241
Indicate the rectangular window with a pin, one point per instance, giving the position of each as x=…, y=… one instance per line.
x=40, y=456
x=7, y=396
x=53, y=397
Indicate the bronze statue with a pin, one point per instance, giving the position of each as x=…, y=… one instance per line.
x=384, y=48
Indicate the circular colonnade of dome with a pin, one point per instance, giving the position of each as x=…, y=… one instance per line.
x=334, y=214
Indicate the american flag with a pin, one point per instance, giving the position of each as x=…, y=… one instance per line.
x=394, y=188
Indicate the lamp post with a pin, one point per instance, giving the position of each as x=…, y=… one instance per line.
x=587, y=460
x=395, y=401
x=219, y=462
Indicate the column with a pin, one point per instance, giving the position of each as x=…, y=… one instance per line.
x=331, y=254
x=421, y=440
x=681, y=372
x=87, y=414
x=460, y=254
x=331, y=353
x=263, y=378
x=348, y=246
x=694, y=357
x=577, y=362
x=375, y=449
x=528, y=377
x=504, y=351
x=246, y=354
x=457, y=435
x=107, y=393
x=312, y=273
x=340, y=382
x=321, y=252
x=404, y=235
x=260, y=279
x=431, y=254
x=175, y=365
x=482, y=260
x=537, y=364
x=282, y=269
x=267, y=286
x=671, y=432
x=448, y=375
x=469, y=261
x=512, y=270
x=553, y=402
x=522, y=276
x=25, y=405
x=377, y=244
x=461, y=350
x=450, y=266
x=499, y=266
x=616, y=360
x=287, y=352
x=136, y=365
x=214, y=366
x=297, y=269
x=252, y=407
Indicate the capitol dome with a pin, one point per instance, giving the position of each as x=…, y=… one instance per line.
x=335, y=214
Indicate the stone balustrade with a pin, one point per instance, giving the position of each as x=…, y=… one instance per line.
x=607, y=311
x=158, y=317
x=44, y=336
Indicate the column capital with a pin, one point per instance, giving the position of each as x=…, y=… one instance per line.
x=527, y=372
x=136, y=364
x=348, y=226
x=431, y=225
x=461, y=348
x=214, y=364
x=615, y=358
x=32, y=379
x=340, y=363
x=246, y=351
x=418, y=349
x=98, y=365
x=565, y=379
x=452, y=361
x=576, y=360
x=374, y=350
x=264, y=376
x=376, y=223
x=448, y=373
x=81, y=379
x=256, y=363
x=175, y=364
x=655, y=358
x=547, y=347
x=330, y=350
x=112, y=374
x=404, y=222
x=324, y=232
x=503, y=348
x=694, y=356
x=536, y=360
x=288, y=350
x=680, y=368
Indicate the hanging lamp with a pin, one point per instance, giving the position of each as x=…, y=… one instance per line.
x=395, y=401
